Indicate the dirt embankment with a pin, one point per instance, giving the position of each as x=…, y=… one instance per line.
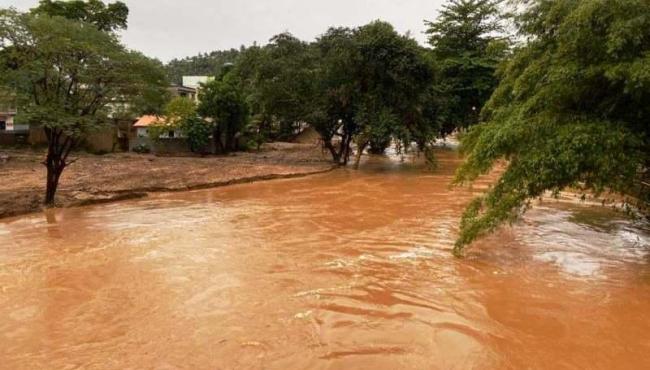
x=96, y=179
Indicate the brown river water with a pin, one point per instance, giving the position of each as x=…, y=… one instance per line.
x=345, y=270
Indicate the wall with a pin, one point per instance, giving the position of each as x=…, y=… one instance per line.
x=162, y=146
x=10, y=138
x=101, y=141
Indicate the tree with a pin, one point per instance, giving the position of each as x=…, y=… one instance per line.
x=107, y=18
x=205, y=64
x=572, y=110
x=223, y=101
x=198, y=133
x=467, y=49
x=67, y=76
x=370, y=88
x=179, y=110
x=281, y=79
x=393, y=77
x=334, y=92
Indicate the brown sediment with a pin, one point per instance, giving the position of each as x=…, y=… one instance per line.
x=348, y=270
x=115, y=177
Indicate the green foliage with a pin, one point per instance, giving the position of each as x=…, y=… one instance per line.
x=335, y=90
x=572, y=109
x=467, y=49
x=277, y=79
x=178, y=111
x=142, y=149
x=107, y=18
x=66, y=74
x=198, y=133
x=380, y=82
x=393, y=77
x=223, y=102
x=148, y=94
x=257, y=131
x=208, y=64
x=148, y=97
x=157, y=131
x=346, y=85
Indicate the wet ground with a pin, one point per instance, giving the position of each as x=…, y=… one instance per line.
x=105, y=178
x=346, y=270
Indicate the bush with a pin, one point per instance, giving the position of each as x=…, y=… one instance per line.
x=142, y=149
x=198, y=133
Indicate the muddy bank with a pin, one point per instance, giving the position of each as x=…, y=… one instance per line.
x=98, y=179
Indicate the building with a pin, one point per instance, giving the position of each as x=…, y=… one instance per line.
x=171, y=140
x=7, y=115
x=184, y=92
x=11, y=132
x=143, y=124
x=196, y=81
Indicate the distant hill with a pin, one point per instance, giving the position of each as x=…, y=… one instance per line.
x=205, y=64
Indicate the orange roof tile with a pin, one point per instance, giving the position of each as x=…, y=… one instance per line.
x=146, y=121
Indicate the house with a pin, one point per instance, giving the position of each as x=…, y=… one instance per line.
x=184, y=92
x=10, y=132
x=7, y=114
x=170, y=140
x=195, y=82
x=144, y=123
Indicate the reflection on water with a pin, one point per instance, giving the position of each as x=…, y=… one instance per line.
x=338, y=271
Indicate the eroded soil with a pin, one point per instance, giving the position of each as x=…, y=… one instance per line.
x=96, y=179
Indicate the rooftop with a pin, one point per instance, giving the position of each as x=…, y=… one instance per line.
x=149, y=120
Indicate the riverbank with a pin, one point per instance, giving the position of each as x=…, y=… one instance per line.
x=99, y=179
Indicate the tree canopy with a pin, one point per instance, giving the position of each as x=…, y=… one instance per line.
x=107, y=18
x=572, y=110
x=222, y=101
x=367, y=85
x=468, y=43
x=278, y=80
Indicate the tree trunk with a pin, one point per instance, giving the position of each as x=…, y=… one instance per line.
x=230, y=140
x=53, y=175
x=336, y=157
x=59, y=148
x=345, y=149
x=360, y=148
x=216, y=138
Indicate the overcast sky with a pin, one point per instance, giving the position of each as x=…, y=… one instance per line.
x=167, y=29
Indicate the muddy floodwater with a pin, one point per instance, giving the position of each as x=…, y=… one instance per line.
x=346, y=270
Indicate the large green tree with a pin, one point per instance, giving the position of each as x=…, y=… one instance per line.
x=69, y=77
x=224, y=103
x=572, y=110
x=278, y=78
x=334, y=92
x=371, y=88
x=468, y=44
x=108, y=18
x=392, y=77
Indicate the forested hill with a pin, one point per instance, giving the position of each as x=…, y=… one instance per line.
x=200, y=65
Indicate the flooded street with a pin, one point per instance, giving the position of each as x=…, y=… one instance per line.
x=346, y=270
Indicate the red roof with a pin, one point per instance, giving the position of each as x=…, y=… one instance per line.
x=146, y=121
